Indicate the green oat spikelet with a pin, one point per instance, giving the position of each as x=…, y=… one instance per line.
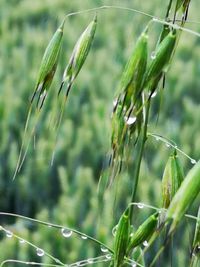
x=44, y=79
x=48, y=66
x=129, y=95
x=121, y=239
x=144, y=232
x=184, y=197
x=133, y=75
x=161, y=60
x=79, y=55
x=172, y=179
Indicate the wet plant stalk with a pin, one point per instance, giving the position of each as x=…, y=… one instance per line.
x=139, y=158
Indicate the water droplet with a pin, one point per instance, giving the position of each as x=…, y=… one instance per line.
x=90, y=261
x=145, y=244
x=21, y=241
x=155, y=19
x=66, y=232
x=103, y=249
x=49, y=225
x=9, y=234
x=115, y=103
x=134, y=265
x=131, y=234
x=140, y=205
x=114, y=230
x=84, y=237
x=153, y=55
x=40, y=252
x=108, y=256
x=167, y=145
x=157, y=138
x=193, y=161
x=130, y=120
x=154, y=94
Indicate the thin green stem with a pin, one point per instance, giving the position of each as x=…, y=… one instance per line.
x=57, y=226
x=139, y=158
x=168, y=9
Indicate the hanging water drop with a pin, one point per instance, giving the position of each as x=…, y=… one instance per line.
x=140, y=205
x=114, y=230
x=90, y=261
x=66, y=232
x=84, y=237
x=193, y=161
x=145, y=244
x=167, y=145
x=21, y=241
x=103, y=249
x=130, y=120
x=153, y=55
x=154, y=94
x=108, y=256
x=134, y=265
x=40, y=252
x=9, y=234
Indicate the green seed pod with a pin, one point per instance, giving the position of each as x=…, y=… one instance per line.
x=79, y=55
x=133, y=75
x=121, y=238
x=184, y=197
x=172, y=179
x=48, y=65
x=160, y=59
x=144, y=232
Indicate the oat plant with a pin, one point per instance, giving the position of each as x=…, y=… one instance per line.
x=142, y=77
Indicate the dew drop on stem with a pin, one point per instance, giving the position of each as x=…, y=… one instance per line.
x=108, y=256
x=21, y=241
x=153, y=55
x=114, y=230
x=84, y=237
x=193, y=161
x=40, y=252
x=90, y=261
x=66, y=232
x=103, y=249
x=140, y=205
x=9, y=234
x=145, y=244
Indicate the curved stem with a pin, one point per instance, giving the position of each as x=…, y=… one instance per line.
x=57, y=226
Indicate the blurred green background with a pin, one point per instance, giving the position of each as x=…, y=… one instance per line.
x=66, y=193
